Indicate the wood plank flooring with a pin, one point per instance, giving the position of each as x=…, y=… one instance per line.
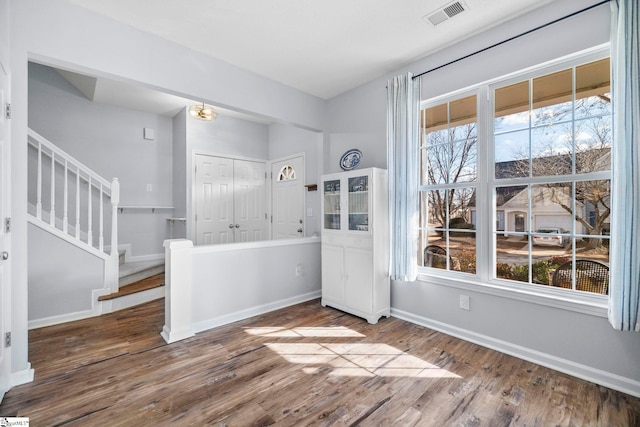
x=141, y=285
x=303, y=365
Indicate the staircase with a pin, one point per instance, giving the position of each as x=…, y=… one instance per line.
x=139, y=282
x=69, y=200
x=72, y=201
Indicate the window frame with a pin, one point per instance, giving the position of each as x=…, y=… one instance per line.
x=484, y=280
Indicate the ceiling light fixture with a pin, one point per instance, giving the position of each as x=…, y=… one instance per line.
x=203, y=112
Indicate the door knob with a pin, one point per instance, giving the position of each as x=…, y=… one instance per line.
x=237, y=225
x=5, y=256
x=230, y=225
x=300, y=230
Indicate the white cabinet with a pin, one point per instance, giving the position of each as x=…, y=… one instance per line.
x=355, y=243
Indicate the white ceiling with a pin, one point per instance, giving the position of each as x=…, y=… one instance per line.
x=321, y=47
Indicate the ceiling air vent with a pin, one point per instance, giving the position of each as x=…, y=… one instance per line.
x=445, y=12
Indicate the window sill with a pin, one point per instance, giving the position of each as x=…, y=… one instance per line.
x=594, y=305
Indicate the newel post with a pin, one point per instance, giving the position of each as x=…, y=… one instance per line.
x=114, y=267
x=177, y=290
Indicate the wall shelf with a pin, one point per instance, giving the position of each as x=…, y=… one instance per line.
x=153, y=208
x=177, y=219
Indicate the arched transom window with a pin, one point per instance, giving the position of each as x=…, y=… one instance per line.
x=287, y=173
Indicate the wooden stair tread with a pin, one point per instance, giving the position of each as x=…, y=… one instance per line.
x=139, y=286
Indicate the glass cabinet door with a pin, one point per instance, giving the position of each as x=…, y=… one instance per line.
x=359, y=203
x=331, y=192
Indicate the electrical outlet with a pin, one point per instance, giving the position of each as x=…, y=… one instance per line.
x=299, y=270
x=464, y=302
x=149, y=187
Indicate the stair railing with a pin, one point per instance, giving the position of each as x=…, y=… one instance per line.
x=62, y=183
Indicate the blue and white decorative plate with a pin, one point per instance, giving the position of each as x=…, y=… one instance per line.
x=350, y=160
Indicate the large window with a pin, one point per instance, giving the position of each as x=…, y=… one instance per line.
x=547, y=176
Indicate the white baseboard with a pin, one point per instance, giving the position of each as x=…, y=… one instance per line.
x=151, y=257
x=598, y=376
x=172, y=336
x=129, y=257
x=96, y=310
x=253, y=311
x=22, y=377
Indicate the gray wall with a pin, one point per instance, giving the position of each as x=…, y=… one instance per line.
x=580, y=342
x=61, y=276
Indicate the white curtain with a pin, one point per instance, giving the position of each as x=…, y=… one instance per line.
x=624, y=288
x=403, y=98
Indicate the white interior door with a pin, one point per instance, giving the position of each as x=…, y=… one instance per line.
x=214, y=200
x=5, y=308
x=287, y=199
x=250, y=210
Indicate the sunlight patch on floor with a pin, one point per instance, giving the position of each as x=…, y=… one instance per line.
x=278, y=332
x=358, y=359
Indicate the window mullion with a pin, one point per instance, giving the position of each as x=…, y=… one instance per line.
x=485, y=217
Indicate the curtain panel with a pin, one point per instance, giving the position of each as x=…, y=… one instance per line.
x=403, y=99
x=624, y=287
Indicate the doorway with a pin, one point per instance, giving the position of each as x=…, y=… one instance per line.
x=519, y=219
x=287, y=198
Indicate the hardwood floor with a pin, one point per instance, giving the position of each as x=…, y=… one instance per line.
x=152, y=282
x=303, y=365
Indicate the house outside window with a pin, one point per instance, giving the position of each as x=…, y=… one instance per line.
x=545, y=171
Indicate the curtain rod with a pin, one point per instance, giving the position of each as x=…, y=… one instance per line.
x=512, y=38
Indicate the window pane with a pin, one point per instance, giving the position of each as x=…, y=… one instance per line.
x=511, y=107
x=551, y=148
x=593, y=144
x=435, y=164
x=435, y=119
x=545, y=259
x=463, y=118
x=552, y=98
x=512, y=154
x=512, y=258
x=513, y=202
x=593, y=210
x=437, y=208
x=463, y=159
x=462, y=248
x=435, y=253
x=460, y=206
x=551, y=211
x=593, y=90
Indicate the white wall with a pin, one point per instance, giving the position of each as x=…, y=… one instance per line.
x=583, y=344
x=247, y=279
x=54, y=32
x=284, y=141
